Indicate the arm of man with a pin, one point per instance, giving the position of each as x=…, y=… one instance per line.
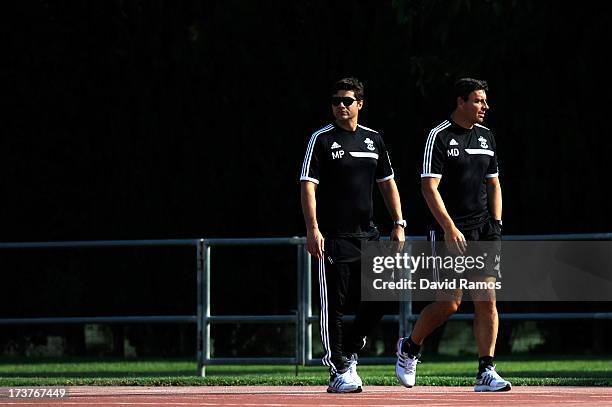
x=314, y=238
x=455, y=241
x=494, y=196
x=390, y=194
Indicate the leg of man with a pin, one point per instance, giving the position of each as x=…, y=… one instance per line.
x=486, y=324
x=435, y=314
x=367, y=316
x=432, y=316
x=446, y=304
x=333, y=289
x=486, y=321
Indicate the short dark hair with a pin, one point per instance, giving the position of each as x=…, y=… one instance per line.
x=464, y=86
x=349, y=84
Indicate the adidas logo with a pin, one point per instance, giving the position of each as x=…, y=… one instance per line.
x=453, y=142
x=335, y=145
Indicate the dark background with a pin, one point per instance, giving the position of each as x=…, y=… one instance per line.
x=164, y=119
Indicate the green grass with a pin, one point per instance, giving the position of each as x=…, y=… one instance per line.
x=550, y=370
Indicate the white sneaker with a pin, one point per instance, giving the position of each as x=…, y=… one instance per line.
x=490, y=380
x=405, y=367
x=343, y=383
x=352, y=367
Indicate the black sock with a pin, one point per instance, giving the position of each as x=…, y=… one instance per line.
x=411, y=348
x=484, y=362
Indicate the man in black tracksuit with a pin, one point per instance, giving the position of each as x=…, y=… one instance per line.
x=343, y=162
x=460, y=183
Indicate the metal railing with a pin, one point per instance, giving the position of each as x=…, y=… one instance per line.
x=195, y=243
x=304, y=311
x=303, y=318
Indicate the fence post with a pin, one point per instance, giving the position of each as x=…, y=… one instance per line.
x=300, y=331
x=405, y=303
x=203, y=306
x=199, y=312
x=307, y=295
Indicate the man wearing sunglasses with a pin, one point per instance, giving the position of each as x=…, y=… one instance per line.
x=343, y=162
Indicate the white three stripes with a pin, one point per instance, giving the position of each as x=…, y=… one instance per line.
x=431, y=139
x=324, y=325
x=310, y=148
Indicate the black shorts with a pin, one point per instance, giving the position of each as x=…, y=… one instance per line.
x=483, y=245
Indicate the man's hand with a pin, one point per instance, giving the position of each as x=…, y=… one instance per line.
x=314, y=238
x=315, y=241
x=455, y=241
x=397, y=235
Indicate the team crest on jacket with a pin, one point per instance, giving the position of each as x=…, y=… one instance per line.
x=369, y=143
x=483, y=142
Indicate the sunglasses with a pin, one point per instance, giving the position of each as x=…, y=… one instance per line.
x=346, y=101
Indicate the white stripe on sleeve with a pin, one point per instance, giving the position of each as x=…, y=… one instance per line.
x=431, y=140
x=310, y=148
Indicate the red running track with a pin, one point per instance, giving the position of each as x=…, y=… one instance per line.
x=296, y=396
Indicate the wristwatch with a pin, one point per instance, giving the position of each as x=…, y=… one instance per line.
x=498, y=221
x=400, y=222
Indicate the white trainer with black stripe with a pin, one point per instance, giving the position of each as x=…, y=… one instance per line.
x=343, y=383
x=490, y=380
x=352, y=367
x=405, y=367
